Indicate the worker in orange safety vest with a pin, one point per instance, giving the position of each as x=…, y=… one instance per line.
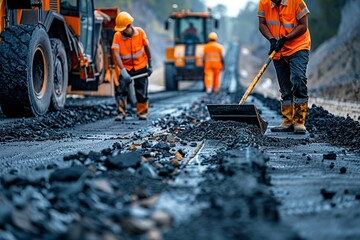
x=213, y=63
x=285, y=24
x=130, y=48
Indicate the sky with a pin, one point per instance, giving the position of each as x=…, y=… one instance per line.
x=233, y=6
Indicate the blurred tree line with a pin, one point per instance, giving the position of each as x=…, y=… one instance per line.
x=324, y=18
x=161, y=8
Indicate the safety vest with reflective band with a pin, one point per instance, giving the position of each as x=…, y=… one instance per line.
x=282, y=20
x=132, y=51
x=213, y=52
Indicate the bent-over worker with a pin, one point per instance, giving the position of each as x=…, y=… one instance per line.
x=213, y=63
x=130, y=48
x=285, y=24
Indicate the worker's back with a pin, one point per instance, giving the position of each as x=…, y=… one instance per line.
x=213, y=52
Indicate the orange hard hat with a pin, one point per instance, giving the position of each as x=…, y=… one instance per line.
x=212, y=36
x=123, y=20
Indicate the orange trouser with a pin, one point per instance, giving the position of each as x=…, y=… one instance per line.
x=212, y=79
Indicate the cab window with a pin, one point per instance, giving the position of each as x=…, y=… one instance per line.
x=191, y=30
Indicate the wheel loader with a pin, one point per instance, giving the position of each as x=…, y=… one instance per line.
x=51, y=48
x=184, y=58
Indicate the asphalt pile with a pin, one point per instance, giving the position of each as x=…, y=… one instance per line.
x=239, y=204
x=235, y=189
x=325, y=127
x=336, y=130
x=102, y=195
x=112, y=194
x=49, y=126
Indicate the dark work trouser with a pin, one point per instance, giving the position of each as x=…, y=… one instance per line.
x=291, y=74
x=141, y=93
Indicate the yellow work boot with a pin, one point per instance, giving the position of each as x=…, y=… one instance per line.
x=142, y=110
x=299, y=117
x=287, y=124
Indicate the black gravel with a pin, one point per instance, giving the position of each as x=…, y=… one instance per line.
x=50, y=126
x=240, y=205
x=106, y=195
x=339, y=131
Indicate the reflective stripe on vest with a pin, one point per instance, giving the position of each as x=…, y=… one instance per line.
x=216, y=57
x=213, y=52
x=134, y=55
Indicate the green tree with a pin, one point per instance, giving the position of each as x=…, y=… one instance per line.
x=161, y=8
x=219, y=10
x=113, y=3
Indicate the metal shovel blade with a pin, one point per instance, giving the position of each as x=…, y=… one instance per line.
x=241, y=112
x=235, y=112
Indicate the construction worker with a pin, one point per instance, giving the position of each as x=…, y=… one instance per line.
x=191, y=33
x=130, y=48
x=285, y=24
x=213, y=63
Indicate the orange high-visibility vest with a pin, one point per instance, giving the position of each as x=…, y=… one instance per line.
x=282, y=20
x=213, y=52
x=132, y=51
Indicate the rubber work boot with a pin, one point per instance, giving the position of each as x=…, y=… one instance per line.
x=287, y=124
x=142, y=110
x=142, y=117
x=299, y=117
x=121, y=106
x=119, y=118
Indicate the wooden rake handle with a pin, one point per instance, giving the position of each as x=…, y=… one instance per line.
x=256, y=79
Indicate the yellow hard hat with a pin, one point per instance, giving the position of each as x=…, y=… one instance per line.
x=212, y=36
x=123, y=20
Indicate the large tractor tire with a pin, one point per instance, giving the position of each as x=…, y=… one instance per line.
x=26, y=71
x=61, y=75
x=171, y=84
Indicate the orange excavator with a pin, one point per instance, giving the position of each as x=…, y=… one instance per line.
x=51, y=48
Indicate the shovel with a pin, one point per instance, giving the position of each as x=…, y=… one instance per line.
x=240, y=112
x=131, y=87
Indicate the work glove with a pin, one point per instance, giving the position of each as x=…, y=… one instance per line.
x=149, y=68
x=125, y=76
x=280, y=43
x=272, y=45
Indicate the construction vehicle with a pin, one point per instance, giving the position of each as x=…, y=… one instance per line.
x=52, y=48
x=184, y=59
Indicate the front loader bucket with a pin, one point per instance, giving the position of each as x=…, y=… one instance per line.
x=236, y=112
